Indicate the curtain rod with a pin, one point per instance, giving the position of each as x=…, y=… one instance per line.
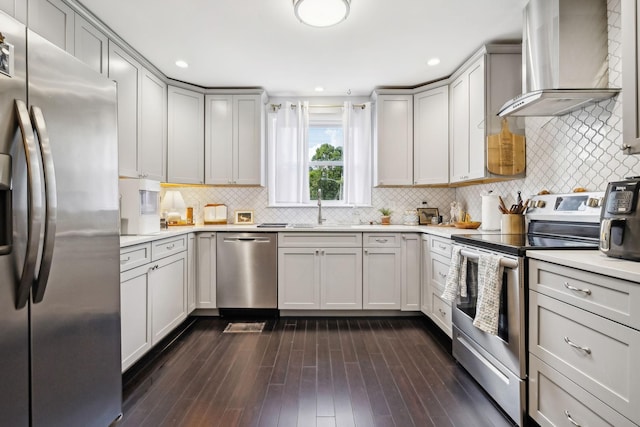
x=275, y=107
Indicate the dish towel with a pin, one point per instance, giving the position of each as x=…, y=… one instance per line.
x=456, y=283
x=489, y=288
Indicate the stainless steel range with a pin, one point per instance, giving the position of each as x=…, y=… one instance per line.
x=498, y=362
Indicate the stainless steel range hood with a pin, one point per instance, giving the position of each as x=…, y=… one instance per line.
x=564, y=58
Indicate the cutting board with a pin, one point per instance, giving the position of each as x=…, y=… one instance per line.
x=506, y=152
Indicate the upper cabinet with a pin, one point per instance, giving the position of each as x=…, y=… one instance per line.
x=54, y=21
x=393, y=140
x=431, y=136
x=234, y=143
x=630, y=16
x=91, y=45
x=477, y=91
x=15, y=8
x=186, y=136
x=142, y=100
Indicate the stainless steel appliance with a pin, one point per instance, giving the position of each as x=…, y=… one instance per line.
x=247, y=270
x=498, y=362
x=564, y=58
x=620, y=222
x=59, y=249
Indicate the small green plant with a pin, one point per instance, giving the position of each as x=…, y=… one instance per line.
x=385, y=211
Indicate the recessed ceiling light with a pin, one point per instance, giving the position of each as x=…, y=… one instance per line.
x=182, y=64
x=433, y=61
x=319, y=89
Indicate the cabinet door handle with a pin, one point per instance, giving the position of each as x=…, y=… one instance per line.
x=571, y=420
x=441, y=274
x=317, y=252
x=366, y=251
x=443, y=247
x=155, y=267
x=442, y=313
x=573, y=288
x=587, y=350
x=125, y=260
x=382, y=240
x=171, y=246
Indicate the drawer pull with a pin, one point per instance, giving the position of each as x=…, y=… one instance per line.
x=442, y=313
x=171, y=246
x=587, y=350
x=441, y=274
x=571, y=420
x=125, y=260
x=155, y=267
x=573, y=288
x=381, y=240
x=443, y=247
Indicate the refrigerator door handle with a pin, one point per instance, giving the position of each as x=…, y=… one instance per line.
x=51, y=204
x=34, y=209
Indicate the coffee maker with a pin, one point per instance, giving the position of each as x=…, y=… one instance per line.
x=620, y=220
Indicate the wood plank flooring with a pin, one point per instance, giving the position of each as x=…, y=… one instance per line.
x=308, y=372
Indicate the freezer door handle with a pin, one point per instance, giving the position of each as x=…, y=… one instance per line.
x=34, y=209
x=51, y=204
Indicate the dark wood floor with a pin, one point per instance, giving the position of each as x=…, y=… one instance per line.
x=308, y=372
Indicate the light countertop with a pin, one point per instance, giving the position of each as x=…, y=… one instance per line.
x=593, y=261
x=445, y=232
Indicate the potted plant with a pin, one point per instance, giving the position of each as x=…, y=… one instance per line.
x=386, y=216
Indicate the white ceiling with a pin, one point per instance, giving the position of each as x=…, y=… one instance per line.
x=260, y=43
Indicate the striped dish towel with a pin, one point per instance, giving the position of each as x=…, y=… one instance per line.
x=489, y=288
x=456, y=283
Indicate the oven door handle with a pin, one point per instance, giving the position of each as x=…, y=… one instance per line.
x=504, y=262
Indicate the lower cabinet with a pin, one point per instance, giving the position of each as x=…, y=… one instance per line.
x=410, y=251
x=167, y=284
x=153, y=295
x=425, y=291
x=436, y=257
x=584, y=344
x=382, y=278
x=192, y=279
x=206, y=265
x=319, y=271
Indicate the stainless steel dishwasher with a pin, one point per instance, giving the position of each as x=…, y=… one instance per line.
x=247, y=270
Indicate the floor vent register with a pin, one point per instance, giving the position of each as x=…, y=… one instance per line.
x=243, y=327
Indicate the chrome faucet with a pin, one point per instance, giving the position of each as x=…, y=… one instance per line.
x=320, y=219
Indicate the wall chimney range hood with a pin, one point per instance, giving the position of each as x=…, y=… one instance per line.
x=564, y=58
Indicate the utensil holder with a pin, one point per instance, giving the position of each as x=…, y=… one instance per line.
x=512, y=224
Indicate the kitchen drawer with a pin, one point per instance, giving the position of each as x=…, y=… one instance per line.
x=381, y=240
x=134, y=256
x=439, y=270
x=441, y=313
x=607, y=368
x=441, y=246
x=612, y=298
x=319, y=240
x=169, y=246
x=553, y=398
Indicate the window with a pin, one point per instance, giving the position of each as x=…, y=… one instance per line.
x=319, y=148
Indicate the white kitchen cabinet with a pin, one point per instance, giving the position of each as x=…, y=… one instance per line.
x=53, y=20
x=431, y=136
x=168, y=292
x=584, y=340
x=425, y=286
x=439, y=260
x=185, y=136
x=478, y=89
x=630, y=20
x=152, y=143
x=393, y=140
x=382, y=276
x=192, y=279
x=234, y=128
x=320, y=274
x=410, y=250
x=206, y=253
x=126, y=72
x=135, y=319
x=15, y=8
x=91, y=46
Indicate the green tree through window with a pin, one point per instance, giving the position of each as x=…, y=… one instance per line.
x=326, y=172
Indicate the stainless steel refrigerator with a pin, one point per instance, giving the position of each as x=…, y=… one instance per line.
x=59, y=243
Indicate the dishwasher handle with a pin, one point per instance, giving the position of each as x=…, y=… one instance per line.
x=247, y=239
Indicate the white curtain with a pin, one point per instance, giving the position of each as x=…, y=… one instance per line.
x=356, y=123
x=286, y=151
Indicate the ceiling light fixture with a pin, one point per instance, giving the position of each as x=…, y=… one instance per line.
x=182, y=64
x=321, y=13
x=319, y=89
x=433, y=61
